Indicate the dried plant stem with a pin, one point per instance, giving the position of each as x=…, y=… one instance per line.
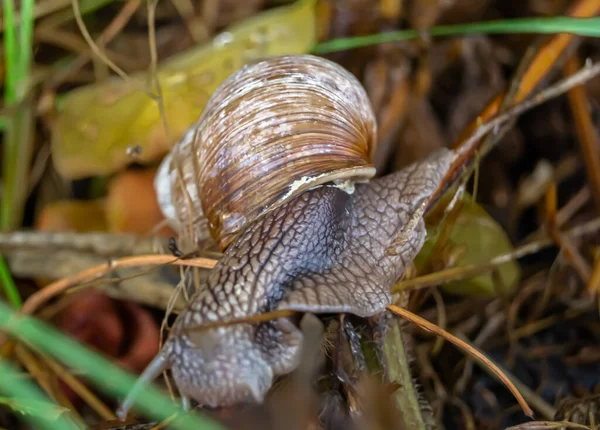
x=585, y=129
x=545, y=409
x=566, y=245
x=593, y=285
x=548, y=425
x=470, y=270
x=93, y=273
x=36, y=300
x=585, y=74
x=154, y=66
x=96, y=49
x=473, y=144
x=81, y=390
x=108, y=34
x=539, y=67
x=432, y=328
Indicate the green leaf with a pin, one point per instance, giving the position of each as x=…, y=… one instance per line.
x=26, y=406
x=98, y=122
x=481, y=238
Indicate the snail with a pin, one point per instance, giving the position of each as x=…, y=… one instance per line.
x=279, y=170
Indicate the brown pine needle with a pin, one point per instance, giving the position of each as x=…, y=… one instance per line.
x=93, y=273
x=548, y=425
x=588, y=138
x=593, y=286
x=432, y=328
x=472, y=145
x=36, y=300
x=81, y=390
x=471, y=270
x=108, y=34
x=568, y=248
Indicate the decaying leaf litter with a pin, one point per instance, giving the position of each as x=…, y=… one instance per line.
x=536, y=193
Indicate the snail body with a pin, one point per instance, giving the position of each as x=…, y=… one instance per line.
x=321, y=246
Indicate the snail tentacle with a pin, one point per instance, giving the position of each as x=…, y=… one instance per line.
x=152, y=371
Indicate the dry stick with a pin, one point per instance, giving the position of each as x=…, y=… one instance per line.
x=593, y=285
x=563, y=215
x=548, y=425
x=567, y=247
x=576, y=202
x=473, y=143
x=585, y=129
x=546, y=410
x=93, y=273
x=467, y=271
x=540, y=65
x=432, y=328
x=98, y=243
x=42, y=296
x=586, y=73
x=185, y=8
x=81, y=390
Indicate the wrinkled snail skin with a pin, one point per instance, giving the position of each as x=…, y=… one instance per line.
x=323, y=252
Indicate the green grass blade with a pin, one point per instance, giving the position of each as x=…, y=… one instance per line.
x=22, y=391
x=8, y=285
x=25, y=47
x=564, y=24
x=18, y=130
x=109, y=378
x=10, y=51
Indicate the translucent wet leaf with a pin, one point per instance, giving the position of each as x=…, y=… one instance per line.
x=98, y=123
x=46, y=410
x=476, y=238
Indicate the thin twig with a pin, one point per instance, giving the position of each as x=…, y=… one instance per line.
x=93, y=273
x=470, y=270
x=585, y=74
x=94, y=47
x=593, y=285
x=473, y=144
x=545, y=409
x=154, y=65
x=108, y=34
x=80, y=389
x=588, y=138
x=432, y=328
x=567, y=246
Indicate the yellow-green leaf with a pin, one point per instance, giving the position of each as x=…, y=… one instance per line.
x=97, y=123
x=480, y=238
x=42, y=409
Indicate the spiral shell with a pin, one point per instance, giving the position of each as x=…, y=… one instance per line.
x=272, y=130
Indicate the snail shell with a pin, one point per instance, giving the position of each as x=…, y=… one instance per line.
x=272, y=130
